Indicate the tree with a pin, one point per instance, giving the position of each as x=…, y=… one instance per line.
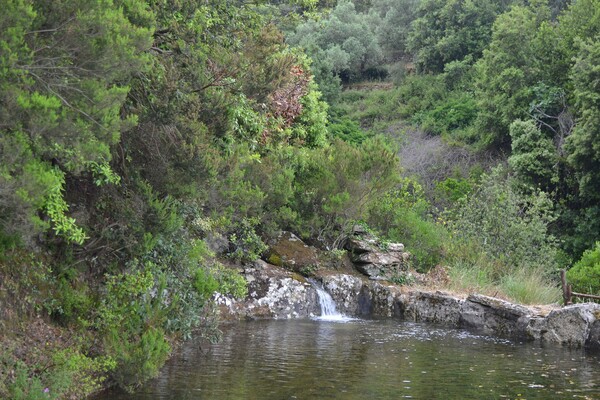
x=392, y=25
x=506, y=73
x=345, y=41
x=585, y=274
x=583, y=145
x=533, y=156
x=507, y=225
x=64, y=74
x=448, y=31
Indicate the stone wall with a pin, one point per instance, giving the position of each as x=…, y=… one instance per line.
x=576, y=325
x=278, y=293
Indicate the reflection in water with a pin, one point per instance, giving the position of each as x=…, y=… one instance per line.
x=306, y=359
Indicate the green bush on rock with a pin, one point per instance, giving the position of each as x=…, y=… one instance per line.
x=585, y=274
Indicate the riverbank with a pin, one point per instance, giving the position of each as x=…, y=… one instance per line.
x=365, y=284
x=280, y=294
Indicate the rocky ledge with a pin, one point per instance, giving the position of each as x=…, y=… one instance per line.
x=359, y=287
x=277, y=293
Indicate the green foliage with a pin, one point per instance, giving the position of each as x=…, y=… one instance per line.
x=446, y=31
x=454, y=189
x=374, y=110
x=533, y=155
x=230, y=281
x=64, y=71
x=72, y=300
x=346, y=129
x=585, y=274
x=343, y=43
x=137, y=359
x=310, y=128
x=333, y=186
x=581, y=145
x=130, y=319
x=419, y=93
x=309, y=270
x=247, y=245
x=506, y=73
x=509, y=227
x=453, y=113
x=401, y=216
x=70, y=374
x=205, y=283
x=392, y=20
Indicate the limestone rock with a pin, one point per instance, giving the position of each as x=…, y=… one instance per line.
x=373, y=271
x=376, y=260
x=347, y=292
x=434, y=307
x=535, y=328
x=571, y=325
x=593, y=340
x=384, y=300
x=288, y=298
x=359, y=245
x=272, y=293
x=494, y=316
x=396, y=247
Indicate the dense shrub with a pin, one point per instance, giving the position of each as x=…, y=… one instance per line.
x=401, y=215
x=585, y=274
x=509, y=227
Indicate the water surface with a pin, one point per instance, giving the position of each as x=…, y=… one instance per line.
x=357, y=359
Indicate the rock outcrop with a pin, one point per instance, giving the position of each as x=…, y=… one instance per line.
x=572, y=325
x=290, y=252
x=272, y=293
x=494, y=316
x=376, y=260
x=275, y=292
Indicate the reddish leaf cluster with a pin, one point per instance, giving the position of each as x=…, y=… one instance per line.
x=285, y=101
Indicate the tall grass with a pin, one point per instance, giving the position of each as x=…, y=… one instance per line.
x=530, y=287
x=521, y=286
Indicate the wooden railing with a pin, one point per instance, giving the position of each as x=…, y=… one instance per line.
x=568, y=293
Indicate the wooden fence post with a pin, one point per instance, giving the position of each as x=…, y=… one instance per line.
x=567, y=293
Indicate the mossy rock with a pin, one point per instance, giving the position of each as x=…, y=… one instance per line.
x=291, y=253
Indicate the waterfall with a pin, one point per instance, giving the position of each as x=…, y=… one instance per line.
x=328, y=310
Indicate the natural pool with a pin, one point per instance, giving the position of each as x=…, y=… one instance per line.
x=369, y=359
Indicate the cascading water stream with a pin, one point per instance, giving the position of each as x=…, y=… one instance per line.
x=329, y=311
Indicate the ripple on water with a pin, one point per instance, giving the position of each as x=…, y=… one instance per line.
x=361, y=359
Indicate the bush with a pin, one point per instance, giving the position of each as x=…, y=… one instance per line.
x=137, y=359
x=454, y=113
x=69, y=374
x=508, y=226
x=450, y=190
x=229, y=281
x=401, y=215
x=246, y=245
x=347, y=130
x=585, y=274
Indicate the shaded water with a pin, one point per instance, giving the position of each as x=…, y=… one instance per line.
x=313, y=359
